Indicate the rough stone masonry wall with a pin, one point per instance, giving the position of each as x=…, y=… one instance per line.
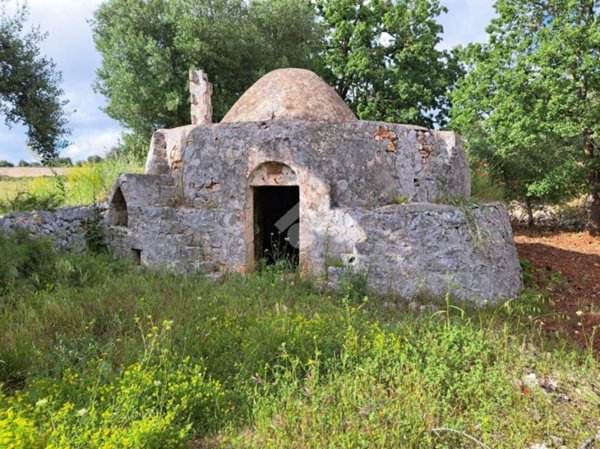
x=365, y=163
x=65, y=227
x=425, y=249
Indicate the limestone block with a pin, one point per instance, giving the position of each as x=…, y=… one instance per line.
x=417, y=249
x=201, y=91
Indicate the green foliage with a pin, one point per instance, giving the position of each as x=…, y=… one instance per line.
x=6, y=164
x=29, y=263
x=356, y=403
x=109, y=355
x=148, y=46
x=94, y=233
x=33, y=265
x=29, y=86
x=527, y=268
x=23, y=163
x=62, y=162
x=381, y=56
x=84, y=184
x=27, y=201
x=10, y=187
x=529, y=105
x=149, y=404
x=92, y=181
x=131, y=146
x=354, y=283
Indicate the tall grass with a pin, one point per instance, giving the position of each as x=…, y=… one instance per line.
x=10, y=187
x=98, y=353
x=83, y=185
x=483, y=187
x=91, y=182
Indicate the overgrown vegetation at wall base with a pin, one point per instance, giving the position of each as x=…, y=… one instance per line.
x=96, y=353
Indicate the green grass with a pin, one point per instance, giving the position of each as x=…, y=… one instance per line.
x=97, y=353
x=83, y=185
x=10, y=187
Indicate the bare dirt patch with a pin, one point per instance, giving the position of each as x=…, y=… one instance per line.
x=566, y=265
x=32, y=172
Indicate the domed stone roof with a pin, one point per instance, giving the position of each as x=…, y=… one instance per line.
x=290, y=94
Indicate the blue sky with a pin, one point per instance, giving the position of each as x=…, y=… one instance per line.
x=69, y=44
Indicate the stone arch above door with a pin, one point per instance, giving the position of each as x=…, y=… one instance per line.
x=273, y=174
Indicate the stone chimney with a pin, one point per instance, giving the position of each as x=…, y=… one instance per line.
x=201, y=91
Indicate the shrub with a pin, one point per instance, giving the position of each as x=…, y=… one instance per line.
x=26, y=201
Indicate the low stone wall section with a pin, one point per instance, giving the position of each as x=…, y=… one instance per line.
x=66, y=227
x=571, y=217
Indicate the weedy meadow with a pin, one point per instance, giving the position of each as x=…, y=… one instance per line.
x=96, y=352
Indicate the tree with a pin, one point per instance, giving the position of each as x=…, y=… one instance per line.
x=530, y=104
x=29, y=85
x=148, y=46
x=381, y=56
x=94, y=159
x=62, y=162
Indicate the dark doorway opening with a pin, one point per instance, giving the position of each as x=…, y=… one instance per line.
x=136, y=256
x=277, y=224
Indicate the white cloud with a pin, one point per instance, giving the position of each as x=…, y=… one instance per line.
x=92, y=143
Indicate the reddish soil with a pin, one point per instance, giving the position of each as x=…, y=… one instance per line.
x=566, y=265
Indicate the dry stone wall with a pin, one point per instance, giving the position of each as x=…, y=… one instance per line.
x=66, y=227
x=569, y=217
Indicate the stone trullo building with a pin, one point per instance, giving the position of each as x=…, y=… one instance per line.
x=290, y=172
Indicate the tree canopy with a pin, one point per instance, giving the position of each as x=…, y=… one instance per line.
x=380, y=55
x=530, y=103
x=382, y=58
x=30, y=90
x=148, y=46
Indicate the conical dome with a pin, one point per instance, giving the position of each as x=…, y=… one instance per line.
x=290, y=94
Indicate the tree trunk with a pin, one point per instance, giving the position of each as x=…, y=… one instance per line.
x=594, y=221
x=593, y=225
x=530, y=219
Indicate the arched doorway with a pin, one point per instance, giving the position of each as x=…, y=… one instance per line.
x=274, y=218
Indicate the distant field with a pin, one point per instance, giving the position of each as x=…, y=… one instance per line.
x=32, y=172
x=40, y=188
x=9, y=186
